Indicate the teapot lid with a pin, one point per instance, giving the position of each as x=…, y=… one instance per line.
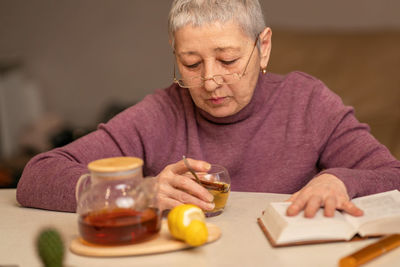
x=115, y=164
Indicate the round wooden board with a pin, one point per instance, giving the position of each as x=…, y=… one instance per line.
x=163, y=242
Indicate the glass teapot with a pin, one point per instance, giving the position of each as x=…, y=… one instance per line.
x=115, y=204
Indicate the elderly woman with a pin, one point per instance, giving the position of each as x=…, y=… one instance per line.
x=280, y=134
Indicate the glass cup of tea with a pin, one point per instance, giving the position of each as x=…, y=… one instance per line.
x=115, y=204
x=218, y=182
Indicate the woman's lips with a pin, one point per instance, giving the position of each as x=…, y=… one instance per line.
x=217, y=100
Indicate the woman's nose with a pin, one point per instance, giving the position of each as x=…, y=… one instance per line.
x=210, y=84
x=209, y=81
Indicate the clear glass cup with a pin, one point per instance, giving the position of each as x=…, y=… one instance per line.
x=218, y=182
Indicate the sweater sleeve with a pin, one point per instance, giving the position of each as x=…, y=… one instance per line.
x=347, y=149
x=48, y=180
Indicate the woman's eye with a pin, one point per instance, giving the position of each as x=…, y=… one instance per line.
x=192, y=66
x=228, y=62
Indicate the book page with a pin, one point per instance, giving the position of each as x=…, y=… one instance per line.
x=377, y=207
x=298, y=228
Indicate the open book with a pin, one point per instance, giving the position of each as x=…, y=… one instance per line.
x=381, y=216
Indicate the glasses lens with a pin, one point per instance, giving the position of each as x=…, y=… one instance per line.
x=228, y=78
x=190, y=82
x=219, y=79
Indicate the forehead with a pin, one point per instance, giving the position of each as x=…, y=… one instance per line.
x=215, y=37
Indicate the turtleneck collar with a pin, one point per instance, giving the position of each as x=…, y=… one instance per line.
x=255, y=103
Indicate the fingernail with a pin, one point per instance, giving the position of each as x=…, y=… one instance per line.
x=290, y=211
x=210, y=206
x=207, y=166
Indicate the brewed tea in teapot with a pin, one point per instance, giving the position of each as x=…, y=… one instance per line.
x=115, y=204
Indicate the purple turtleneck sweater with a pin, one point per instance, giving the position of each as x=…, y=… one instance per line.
x=293, y=128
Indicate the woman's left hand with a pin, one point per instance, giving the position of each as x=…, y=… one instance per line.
x=325, y=190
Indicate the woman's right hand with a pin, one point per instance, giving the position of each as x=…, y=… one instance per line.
x=175, y=188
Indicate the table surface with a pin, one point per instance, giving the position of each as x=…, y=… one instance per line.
x=242, y=241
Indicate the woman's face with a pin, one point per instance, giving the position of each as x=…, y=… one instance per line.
x=215, y=49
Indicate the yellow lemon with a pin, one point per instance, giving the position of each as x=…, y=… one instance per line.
x=187, y=222
x=196, y=233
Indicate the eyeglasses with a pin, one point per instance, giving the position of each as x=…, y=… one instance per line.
x=219, y=79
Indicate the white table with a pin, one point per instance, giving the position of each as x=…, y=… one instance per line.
x=242, y=242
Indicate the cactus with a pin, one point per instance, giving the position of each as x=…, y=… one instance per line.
x=50, y=248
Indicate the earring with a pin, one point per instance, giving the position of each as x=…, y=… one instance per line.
x=264, y=70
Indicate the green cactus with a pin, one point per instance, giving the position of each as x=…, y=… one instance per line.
x=50, y=248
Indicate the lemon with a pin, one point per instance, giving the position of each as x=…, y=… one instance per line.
x=187, y=222
x=196, y=233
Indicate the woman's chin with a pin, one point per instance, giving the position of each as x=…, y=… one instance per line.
x=220, y=112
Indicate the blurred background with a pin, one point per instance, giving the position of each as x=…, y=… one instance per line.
x=66, y=66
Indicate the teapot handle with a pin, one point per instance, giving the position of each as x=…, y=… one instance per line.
x=78, y=186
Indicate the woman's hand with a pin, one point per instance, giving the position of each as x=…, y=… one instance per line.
x=176, y=188
x=325, y=190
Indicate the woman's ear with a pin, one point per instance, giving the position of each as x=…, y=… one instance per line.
x=265, y=47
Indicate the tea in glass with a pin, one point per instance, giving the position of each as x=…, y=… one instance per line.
x=217, y=182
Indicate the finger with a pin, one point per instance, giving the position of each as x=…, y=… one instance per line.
x=297, y=205
x=293, y=197
x=330, y=206
x=190, y=186
x=165, y=203
x=197, y=165
x=189, y=199
x=351, y=209
x=184, y=198
x=312, y=206
x=167, y=190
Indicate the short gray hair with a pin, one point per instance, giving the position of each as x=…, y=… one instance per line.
x=247, y=13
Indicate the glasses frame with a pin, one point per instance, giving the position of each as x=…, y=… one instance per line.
x=239, y=76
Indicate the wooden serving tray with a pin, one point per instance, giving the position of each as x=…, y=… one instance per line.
x=161, y=243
